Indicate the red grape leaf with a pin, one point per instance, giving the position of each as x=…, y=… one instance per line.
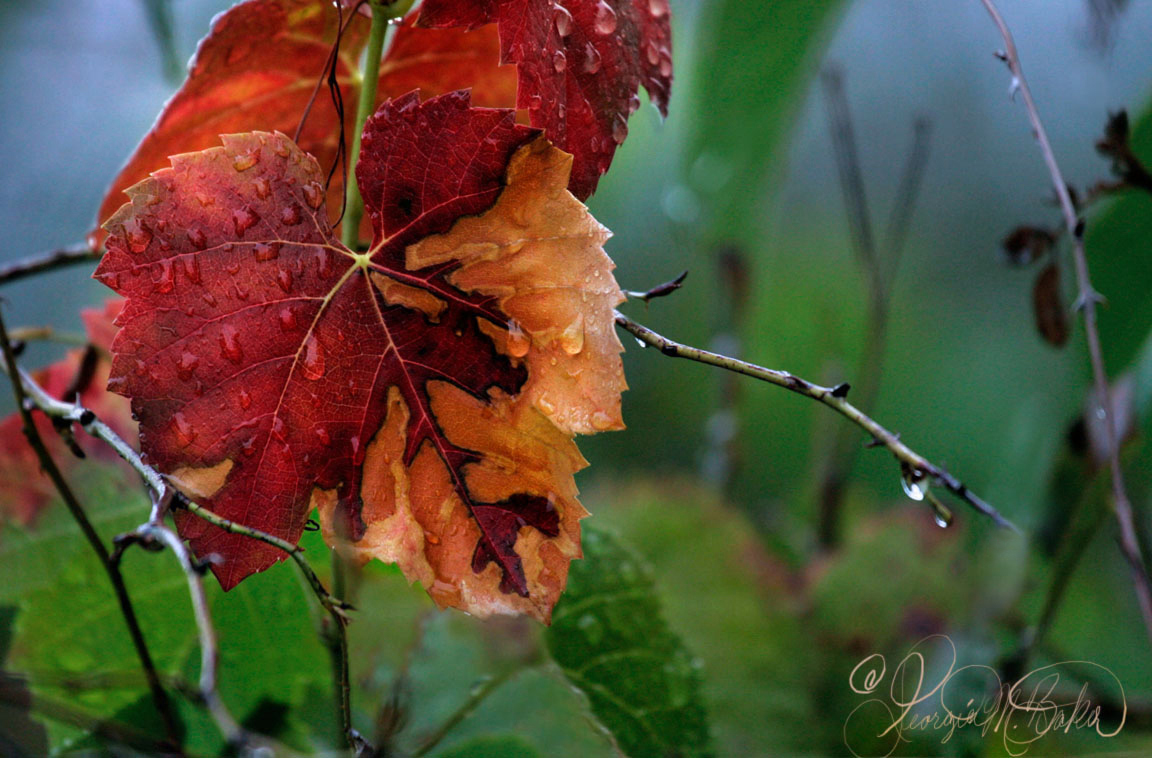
x=24, y=491
x=423, y=395
x=580, y=65
x=261, y=61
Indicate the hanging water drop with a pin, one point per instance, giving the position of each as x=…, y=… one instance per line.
x=605, y=21
x=138, y=236
x=284, y=279
x=192, y=268
x=197, y=237
x=185, y=434
x=245, y=160
x=290, y=215
x=287, y=319
x=559, y=61
x=619, y=129
x=322, y=435
x=243, y=219
x=314, y=194
x=591, y=59
x=263, y=188
x=245, y=400
x=230, y=344
x=313, y=364
x=167, y=278
x=266, y=251
x=914, y=484
x=518, y=341
x=572, y=338
x=658, y=8
x=563, y=20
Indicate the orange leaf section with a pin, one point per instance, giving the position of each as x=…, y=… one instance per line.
x=538, y=252
x=261, y=62
x=24, y=490
x=424, y=394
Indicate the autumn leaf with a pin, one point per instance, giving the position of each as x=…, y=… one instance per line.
x=580, y=65
x=423, y=395
x=24, y=491
x=259, y=68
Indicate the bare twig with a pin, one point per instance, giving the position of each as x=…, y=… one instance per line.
x=159, y=696
x=917, y=470
x=161, y=490
x=38, y=264
x=1087, y=300
x=660, y=290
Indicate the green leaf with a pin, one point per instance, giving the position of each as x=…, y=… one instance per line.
x=609, y=637
x=506, y=746
x=748, y=83
x=71, y=640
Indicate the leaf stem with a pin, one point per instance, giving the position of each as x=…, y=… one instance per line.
x=111, y=568
x=1086, y=302
x=914, y=466
x=369, y=78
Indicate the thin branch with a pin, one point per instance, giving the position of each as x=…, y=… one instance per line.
x=44, y=262
x=161, y=490
x=660, y=290
x=1087, y=300
x=477, y=696
x=159, y=696
x=917, y=470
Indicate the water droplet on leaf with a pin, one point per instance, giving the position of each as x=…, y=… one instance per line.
x=313, y=364
x=518, y=341
x=230, y=344
x=563, y=20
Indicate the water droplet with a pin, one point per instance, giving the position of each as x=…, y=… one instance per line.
x=535, y=101
x=245, y=400
x=572, y=338
x=314, y=194
x=601, y=421
x=605, y=22
x=658, y=8
x=633, y=103
x=665, y=63
x=244, y=219
x=591, y=627
x=187, y=365
x=943, y=518
x=248, y=447
x=652, y=51
x=431, y=538
x=185, y=434
x=266, y=251
x=323, y=436
x=205, y=199
x=915, y=486
x=559, y=61
x=290, y=215
x=323, y=263
x=287, y=319
x=141, y=368
x=165, y=283
x=281, y=147
x=263, y=188
x=197, y=237
x=563, y=20
x=619, y=129
x=245, y=160
x=518, y=341
x=313, y=364
x=230, y=344
x=284, y=279
x=354, y=442
x=191, y=266
x=641, y=342
x=545, y=404
x=138, y=235
x=591, y=59
x=278, y=427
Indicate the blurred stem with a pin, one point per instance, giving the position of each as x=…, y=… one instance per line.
x=111, y=568
x=915, y=469
x=477, y=696
x=382, y=14
x=160, y=19
x=1086, y=302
